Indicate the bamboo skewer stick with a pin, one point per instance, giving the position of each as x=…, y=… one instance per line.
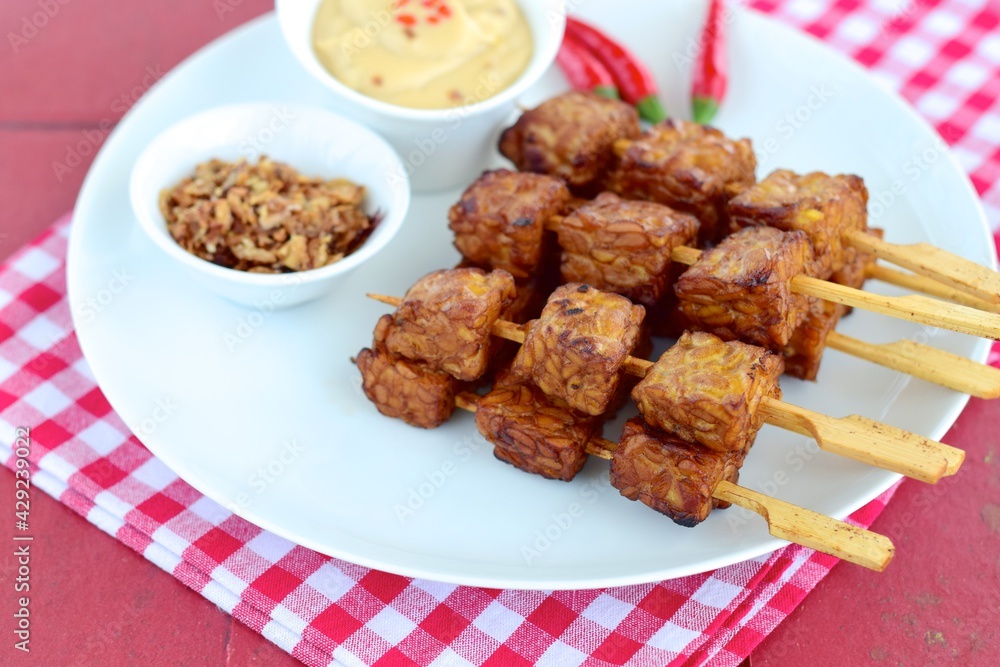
x=854, y=437
x=812, y=529
x=912, y=281
x=914, y=308
x=784, y=520
x=868, y=441
x=932, y=262
x=925, y=362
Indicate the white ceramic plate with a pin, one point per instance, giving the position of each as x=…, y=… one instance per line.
x=436, y=504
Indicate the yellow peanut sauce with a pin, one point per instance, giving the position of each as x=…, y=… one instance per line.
x=424, y=54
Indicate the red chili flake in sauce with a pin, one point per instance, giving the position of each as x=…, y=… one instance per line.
x=433, y=12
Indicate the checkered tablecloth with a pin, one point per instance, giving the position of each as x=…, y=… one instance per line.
x=944, y=57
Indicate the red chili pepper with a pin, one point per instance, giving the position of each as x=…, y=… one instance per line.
x=710, y=77
x=583, y=70
x=634, y=81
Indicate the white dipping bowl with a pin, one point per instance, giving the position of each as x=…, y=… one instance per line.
x=441, y=148
x=314, y=141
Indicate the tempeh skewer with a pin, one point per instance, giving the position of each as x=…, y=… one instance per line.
x=828, y=208
x=913, y=307
x=854, y=437
x=595, y=250
x=743, y=264
x=832, y=212
x=784, y=520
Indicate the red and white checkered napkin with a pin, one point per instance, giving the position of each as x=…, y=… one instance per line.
x=946, y=60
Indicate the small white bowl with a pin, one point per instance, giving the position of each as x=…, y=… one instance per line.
x=313, y=141
x=441, y=148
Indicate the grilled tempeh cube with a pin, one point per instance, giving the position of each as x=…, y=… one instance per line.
x=500, y=220
x=805, y=350
x=571, y=136
x=624, y=246
x=689, y=167
x=674, y=477
x=822, y=206
x=575, y=351
x=446, y=317
x=404, y=389
x=533, y=433
x=706, y=390
x=741, y=289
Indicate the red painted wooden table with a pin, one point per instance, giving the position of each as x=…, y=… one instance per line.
x=68, y=74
